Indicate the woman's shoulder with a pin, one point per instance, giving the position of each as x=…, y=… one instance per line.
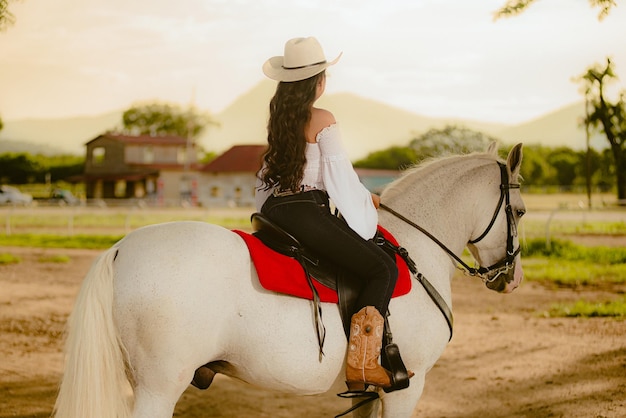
x=322, y=115
x=320, y=120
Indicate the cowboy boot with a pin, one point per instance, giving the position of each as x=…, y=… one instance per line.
x=364, y=344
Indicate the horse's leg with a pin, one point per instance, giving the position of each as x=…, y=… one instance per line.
x=153, y=405
x=401, y=403
x=164, y=356
x=369, y=410
x=158, y=388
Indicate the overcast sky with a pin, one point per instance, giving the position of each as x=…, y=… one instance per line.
x=432, y=57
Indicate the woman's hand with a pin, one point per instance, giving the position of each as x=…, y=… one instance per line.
x=376, y=200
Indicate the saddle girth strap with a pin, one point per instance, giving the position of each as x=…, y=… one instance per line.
x=430, y=289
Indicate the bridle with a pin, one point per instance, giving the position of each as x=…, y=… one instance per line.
x=491, y=273
x=507, y=263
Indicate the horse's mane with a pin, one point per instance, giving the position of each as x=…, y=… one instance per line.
x=427, y=166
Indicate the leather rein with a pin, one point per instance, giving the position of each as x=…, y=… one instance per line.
x=500, y=267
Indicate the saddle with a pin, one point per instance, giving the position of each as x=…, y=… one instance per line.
x=334, y=277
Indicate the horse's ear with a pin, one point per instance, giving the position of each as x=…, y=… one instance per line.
x=493, y=148
x=514, y=160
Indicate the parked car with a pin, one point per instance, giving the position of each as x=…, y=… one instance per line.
x=11, y=196
x=64, y=197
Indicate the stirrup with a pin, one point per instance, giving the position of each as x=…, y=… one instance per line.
x=368, y=395
x=392, y=361
x=356, y=387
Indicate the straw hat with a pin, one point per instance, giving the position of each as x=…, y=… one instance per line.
x=303, y=59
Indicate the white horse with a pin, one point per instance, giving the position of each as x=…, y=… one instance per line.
x=170, y=298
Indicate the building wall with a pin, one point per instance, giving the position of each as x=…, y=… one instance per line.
x=112, y=161
x=174, y=187
x=226, y=189
x=157, y=154
x=115, y=160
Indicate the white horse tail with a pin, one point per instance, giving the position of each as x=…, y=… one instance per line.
x=94, y=382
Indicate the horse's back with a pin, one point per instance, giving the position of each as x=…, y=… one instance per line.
x=170, y=279
x=178, y=258
x=182, y=236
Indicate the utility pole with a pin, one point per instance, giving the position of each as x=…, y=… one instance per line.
x=588, y=157
x=188, y=189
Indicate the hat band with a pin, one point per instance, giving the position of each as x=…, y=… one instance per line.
x=304, y=66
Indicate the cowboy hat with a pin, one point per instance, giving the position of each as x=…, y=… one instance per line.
x=303, y=59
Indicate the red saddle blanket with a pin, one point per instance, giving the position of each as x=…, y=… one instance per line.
x=283, y=274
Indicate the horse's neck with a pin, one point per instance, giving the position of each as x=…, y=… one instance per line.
x=439, y=198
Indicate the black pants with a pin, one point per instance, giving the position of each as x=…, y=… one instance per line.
x=308, y=218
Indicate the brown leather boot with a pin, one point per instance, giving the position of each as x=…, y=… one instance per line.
x=364, y=344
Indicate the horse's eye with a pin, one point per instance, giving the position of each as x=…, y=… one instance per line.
x=520, y=213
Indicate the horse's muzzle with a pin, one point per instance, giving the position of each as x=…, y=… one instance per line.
x=507, y=279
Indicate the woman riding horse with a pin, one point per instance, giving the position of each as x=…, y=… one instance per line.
x=305, y=165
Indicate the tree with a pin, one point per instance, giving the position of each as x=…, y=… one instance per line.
x=434, y=143
x=515, y=7
x=449, y=140
x=393, y=158
x=604, y=177
x=535, y=169
x=165, y=119
x=17, y=168
x=566, y=162
x=22, y=168
x=609, y=118
x=6, y=20
x=6, y=17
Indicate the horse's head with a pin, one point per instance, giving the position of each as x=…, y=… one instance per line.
x=501, y=268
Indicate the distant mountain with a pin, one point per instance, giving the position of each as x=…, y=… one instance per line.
x=242, y=122
x=558, y=128
x=66, y=135
x=367, y=126
x=6, y=145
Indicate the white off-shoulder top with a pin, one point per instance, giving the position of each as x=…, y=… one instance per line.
x=329, y=168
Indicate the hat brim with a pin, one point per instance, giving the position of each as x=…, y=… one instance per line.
x=273, y=68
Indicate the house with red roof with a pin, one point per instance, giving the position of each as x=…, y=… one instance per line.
x=229, y=179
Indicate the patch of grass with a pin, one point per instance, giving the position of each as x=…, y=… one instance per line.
x=570, y=265
x=565, y=264
x=582, y=308
x=573, y=274
x=121, y=219
x=566, y=250
x=559, y=227
x=55, y=258
x=6, y=258
x=57, y=241
x=600, y=228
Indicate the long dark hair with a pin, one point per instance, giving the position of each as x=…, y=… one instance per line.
x=290, y=113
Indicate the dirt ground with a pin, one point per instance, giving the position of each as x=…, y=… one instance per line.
x=506, y=359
